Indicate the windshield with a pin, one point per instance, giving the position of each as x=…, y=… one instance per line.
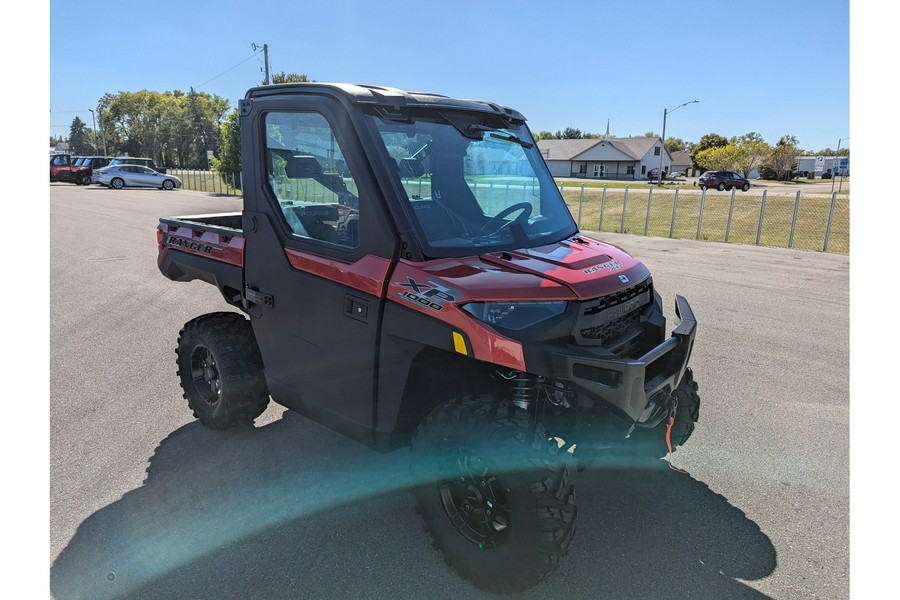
x=474, y=184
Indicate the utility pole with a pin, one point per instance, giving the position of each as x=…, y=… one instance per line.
x=265, y=48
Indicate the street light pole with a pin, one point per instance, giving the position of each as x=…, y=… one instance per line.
x=102, y=131
x=666, y=111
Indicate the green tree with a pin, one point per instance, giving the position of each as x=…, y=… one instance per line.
x=754, y=151
x=172, y=128
x=544, y=135
x=828, y=152
x=720, y=158
x=282, y=77
x=710, y=140
x=782, y=158
x=79, y=142
x=676, y=145
x=569, y=133
x=228, y=161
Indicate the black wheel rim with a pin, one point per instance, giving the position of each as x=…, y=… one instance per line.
x=205, y=375
x=476, y=503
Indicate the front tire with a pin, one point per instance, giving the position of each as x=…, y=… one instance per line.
x=721, y=187
x=221, y=370
x=168, y=185
x=117, y=183
x=652, y=442
x=85, y=180
x=746, y=187
x=493, y=492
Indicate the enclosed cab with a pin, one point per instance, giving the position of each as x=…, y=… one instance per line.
x=410, y=274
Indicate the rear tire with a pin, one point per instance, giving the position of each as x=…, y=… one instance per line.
x=220, y=370
x=721, y=187
x=493, y=492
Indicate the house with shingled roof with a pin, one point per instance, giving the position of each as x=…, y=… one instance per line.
x=605, y=158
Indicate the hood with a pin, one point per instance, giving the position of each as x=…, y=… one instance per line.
x=587, y=267
x=576, y=268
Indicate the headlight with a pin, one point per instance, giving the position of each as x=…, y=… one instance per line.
x=514, y=315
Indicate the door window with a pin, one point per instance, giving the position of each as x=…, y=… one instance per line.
x=309, y=176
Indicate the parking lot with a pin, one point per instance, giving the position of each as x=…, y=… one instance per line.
x=146, y=503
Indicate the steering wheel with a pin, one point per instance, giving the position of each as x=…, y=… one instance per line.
x=526, y=209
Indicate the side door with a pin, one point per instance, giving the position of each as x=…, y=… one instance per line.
x=319, y=247
x=148, y=177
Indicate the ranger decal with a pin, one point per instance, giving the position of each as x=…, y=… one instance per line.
x=612, y=265
x=190, y=244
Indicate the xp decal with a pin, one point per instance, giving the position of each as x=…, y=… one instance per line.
x=430, y=295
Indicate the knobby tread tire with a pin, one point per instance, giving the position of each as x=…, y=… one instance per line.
x=653, y=441
x=535, y=475
x=244, y=394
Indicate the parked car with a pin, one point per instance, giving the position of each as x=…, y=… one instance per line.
x=653, y=174
x=65, y=167
x=723, y=180
x=119, y=176
x=676, y=174
x=132, y=160
x=94, y=162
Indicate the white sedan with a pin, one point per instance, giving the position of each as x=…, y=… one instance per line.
x=119, y=176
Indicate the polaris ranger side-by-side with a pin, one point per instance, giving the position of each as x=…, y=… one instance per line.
x=411, y=275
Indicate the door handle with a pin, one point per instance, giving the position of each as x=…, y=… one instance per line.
x=356, y=308
x=252, y=296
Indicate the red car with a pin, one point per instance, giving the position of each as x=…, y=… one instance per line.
x=75, y=169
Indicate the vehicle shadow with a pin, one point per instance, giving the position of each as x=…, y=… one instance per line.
x=292, y=510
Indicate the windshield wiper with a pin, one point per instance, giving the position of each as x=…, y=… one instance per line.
x=498, y=134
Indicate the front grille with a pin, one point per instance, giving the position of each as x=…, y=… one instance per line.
x=615, y=320
x=612, y=331
x=596, y=306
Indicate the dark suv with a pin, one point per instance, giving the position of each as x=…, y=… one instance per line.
x=94, y=162
x=131, y=160
x=723, y=180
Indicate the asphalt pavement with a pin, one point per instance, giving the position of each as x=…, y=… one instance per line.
x=146, y=503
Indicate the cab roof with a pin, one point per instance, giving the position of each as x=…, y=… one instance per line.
x=386, y=96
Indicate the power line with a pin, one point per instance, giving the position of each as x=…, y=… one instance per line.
x=227, y=70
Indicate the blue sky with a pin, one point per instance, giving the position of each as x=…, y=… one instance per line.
x=772, y=66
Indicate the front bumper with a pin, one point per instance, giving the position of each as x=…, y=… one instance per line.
x=635, y=387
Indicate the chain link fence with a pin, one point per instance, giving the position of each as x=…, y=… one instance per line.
x=807, y=222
